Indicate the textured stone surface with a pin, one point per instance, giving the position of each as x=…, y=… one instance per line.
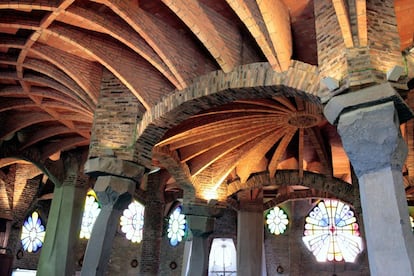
x=372, y=139
x=113, y=166
x=366, y=97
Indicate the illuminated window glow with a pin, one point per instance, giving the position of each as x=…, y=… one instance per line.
x=90, y=214
x=132, y=221
x=33, y=233
x=331, y=232
x=412, y=222
x=277, y=221
x=222, y=259
x=177, y=227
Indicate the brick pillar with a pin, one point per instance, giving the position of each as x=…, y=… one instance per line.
x=115, y=120
x=153, y=225
x=331, y=46
x=383, y=37
x=369, y=128
x=114, y=187
x=62, y=230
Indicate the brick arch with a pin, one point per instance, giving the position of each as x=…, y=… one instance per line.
x=257, y=80
x=324, y=186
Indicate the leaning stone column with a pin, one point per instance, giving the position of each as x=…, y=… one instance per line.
x=62, y=231
x=250, y=235
x=369, y=128
x=114, y=188
x=201, y=227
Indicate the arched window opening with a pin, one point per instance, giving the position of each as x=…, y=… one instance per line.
x=332, y=233
x=276, y=220
x=177, y=227
x=33, y=233
x=223, y=258
x=90, y=213
x=132, y=221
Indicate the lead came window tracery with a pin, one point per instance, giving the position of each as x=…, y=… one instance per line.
x=132, y=221
x=90, y=214
x=33, y=233
x=177, y=226
x=332, y=233
x=277, y=221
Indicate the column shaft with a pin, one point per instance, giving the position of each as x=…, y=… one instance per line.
x=249, y=242
x=62, y=231
x=114, y=193
x=373, y=142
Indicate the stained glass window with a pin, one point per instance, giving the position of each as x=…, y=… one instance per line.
x=277, y=221
x=177, y=227
x=90, y=214
x=33, y=233
x=412, y=222
x=132, y=221
x=332, y=233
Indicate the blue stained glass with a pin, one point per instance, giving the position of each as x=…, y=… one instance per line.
x=33, y=233
x=177, y=227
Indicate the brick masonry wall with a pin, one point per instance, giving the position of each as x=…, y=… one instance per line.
x=330, y=43
x=383, y=37
x=116, y=117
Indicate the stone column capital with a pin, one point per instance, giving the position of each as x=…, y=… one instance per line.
x=200, y=225
x=372, y=139
x=369, y=96
x=99, y=166
x=114, y=191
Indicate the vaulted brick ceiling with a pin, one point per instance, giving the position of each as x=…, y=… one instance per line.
x=52, y=54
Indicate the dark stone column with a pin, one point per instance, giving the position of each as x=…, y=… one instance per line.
x=114, y=194
x=62, y=231
x=114, y=187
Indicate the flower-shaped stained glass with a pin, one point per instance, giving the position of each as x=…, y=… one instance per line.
x=90, y=214
x=177, y=226
x=277, y=221
x=332, y=233
x=132, y=221
x=33, y=233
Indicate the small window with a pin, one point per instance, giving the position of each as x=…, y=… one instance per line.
x=132, y=221
x=33, y=233
x=91, y=212
x=177, y=227
x=332, y=233
x=277, y=221
x=222, y=259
